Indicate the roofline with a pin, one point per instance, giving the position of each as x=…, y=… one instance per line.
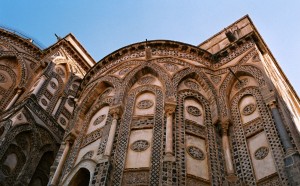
x=273, y=58
x=141, y=46
x=220, y=32
x=25, y=41
x=65, y=39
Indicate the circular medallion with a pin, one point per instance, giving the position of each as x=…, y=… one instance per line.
x=146, y=80
x=145, y=104
x=193, y=111
x=53, y=85
x=195, y=153
x=60, y=72
x=32, y=65
x=261, y=153
x=124, y=71
x=62, y=121
x=71, y=102
x=2, y=78
x=99, y=119
x=171, y=67
x=191, y=84
x=44, y=102
x=249, y=109
x=139, y=145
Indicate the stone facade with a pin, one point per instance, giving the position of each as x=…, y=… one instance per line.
x=151, y=113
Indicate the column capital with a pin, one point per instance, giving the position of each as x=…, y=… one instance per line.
x=272, y=104
x=71, y=136
x=270, y=99
x=170, y=107
x=225, y=125
x=116, y=111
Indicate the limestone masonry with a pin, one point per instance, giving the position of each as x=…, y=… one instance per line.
x=152, y=113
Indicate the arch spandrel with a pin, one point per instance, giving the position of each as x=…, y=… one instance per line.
x=159, y=48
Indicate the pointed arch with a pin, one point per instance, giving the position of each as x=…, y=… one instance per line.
x=87, y=165
x=228, y=82
x=208, y=131
x=206, y=85
x=146, y=68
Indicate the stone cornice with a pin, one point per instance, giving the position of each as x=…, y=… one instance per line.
x=23, y=43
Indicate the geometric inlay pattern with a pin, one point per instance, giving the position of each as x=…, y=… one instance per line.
x=2, y=78
x=261, y=153
x=139, y=145
x=195, y=153
x=191, y=84
x=216, y=79
x=60, y=72
x=171, y=67
x=145, y=104
x=193, y=111
x=124, y=71
x=62, y=121
x=146, y=80
x=249, y=109
x=99, y=119
x=53, y=85
x=44, y=101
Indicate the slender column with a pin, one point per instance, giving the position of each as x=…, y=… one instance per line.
x=115, y=112
x=56, y=106
x=169, y=110
x=15, y=98
x=226, y=148
x=39, y=85
x=69, y=141
x=284, y=137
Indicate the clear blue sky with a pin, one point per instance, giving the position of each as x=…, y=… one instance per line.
x=105, y=26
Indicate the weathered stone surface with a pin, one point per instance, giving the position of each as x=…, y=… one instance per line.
x=167, y=113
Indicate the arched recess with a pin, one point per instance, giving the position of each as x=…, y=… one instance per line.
x=10, y=76
x=11, y=135
x=146, y=68
x=140, y=128
x=257, y=150
x=227, y=84
x=96, y=138
x=81, y=178
x=87, y=165
x=17, y=64
x=182, y=81
x=11, y=164
x=42, y=171
x=90, y=95
x=196, y=145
